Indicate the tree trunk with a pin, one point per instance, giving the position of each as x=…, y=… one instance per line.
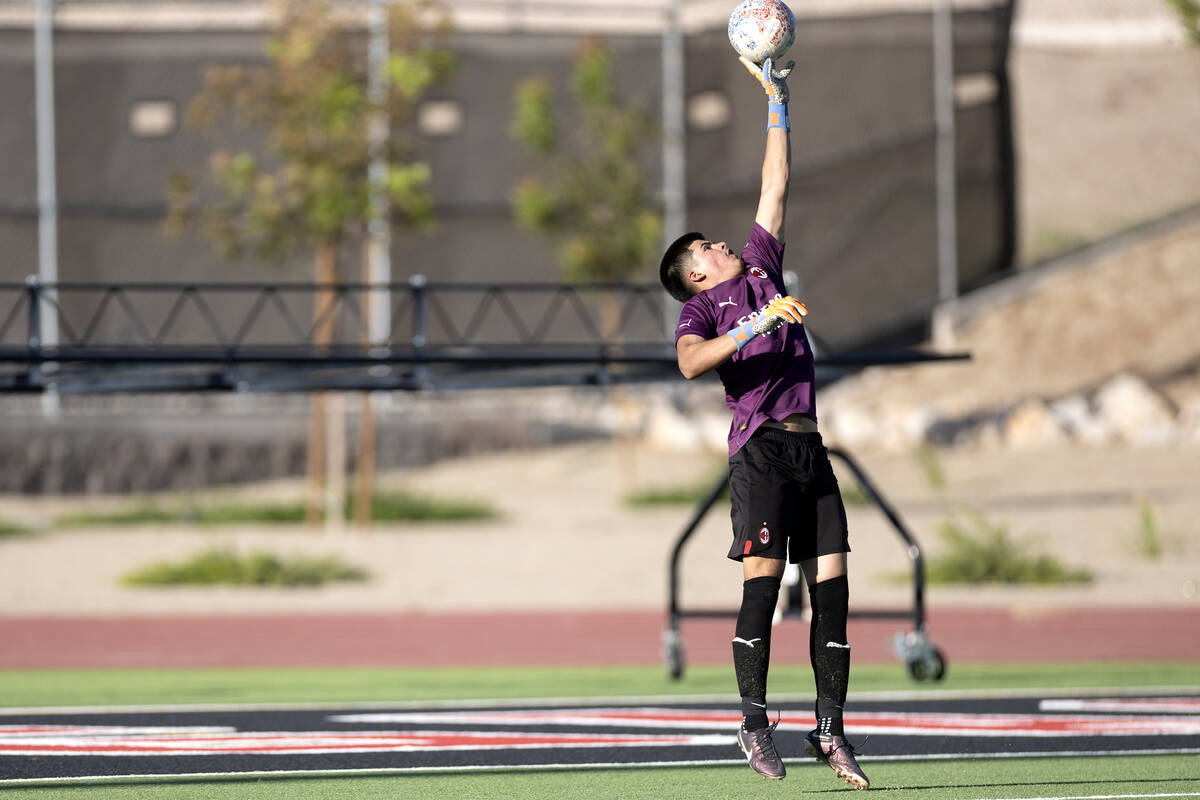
x=364, y=476
x=335, y=461
x=325, y=272
x=626, y=441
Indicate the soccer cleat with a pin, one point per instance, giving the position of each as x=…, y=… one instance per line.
x=839, y=755
x=760, y=751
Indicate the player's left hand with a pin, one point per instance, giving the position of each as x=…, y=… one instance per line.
x=779, y=311
x=773, y=81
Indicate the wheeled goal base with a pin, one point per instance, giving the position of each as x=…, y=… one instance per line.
x=922, y=659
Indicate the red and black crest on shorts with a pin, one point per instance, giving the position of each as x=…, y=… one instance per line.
x=764, y=534
x=758, y=272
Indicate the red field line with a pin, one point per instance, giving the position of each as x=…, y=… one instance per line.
x=1001, y=635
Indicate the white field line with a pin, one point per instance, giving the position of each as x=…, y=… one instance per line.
x=780, y=697
x=166, y=778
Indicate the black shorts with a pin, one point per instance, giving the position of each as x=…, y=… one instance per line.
x=786, y=502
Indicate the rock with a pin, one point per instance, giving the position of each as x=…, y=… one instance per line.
x=1031, y=425
x=918, y=424
x=666, y=428
x=987, y=436
x=851, y=425
x=1075, y=415
x=1189, y=420
x=1138, y=414
x=714, y=431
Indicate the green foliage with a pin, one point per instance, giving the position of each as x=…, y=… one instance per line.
x=854, y=495
x=394, y=506
x=149, y=514
x=1148, y=540
x=400, y=506
x=1189, y=15
x=688, y=495
x=310, y=188
x=589, y=192
x=672, y=496
x=931, y=466
x=223, y=566
x=984, y=553
x=12, y=529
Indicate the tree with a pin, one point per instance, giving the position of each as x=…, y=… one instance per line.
x=1189, y=14
x=308, y=191
x=588, y=193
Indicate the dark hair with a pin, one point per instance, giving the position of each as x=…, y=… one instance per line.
x=670, y=272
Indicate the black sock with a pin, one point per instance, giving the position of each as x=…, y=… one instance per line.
x=829, y=651
x=752, y=648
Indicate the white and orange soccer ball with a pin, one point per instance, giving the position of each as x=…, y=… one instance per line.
x=762, y=29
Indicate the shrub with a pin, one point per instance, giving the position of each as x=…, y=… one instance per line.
x=984, y=553
x=223, y=566
x=1148, y=540
x=674, y=495
x=401, y=506
x=12, y=529
x=396, y=506
x=853, y=494
x=931, y=466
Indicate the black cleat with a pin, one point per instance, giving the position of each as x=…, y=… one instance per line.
x=760, y=751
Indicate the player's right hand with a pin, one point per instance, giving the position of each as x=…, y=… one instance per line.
x=774, y=81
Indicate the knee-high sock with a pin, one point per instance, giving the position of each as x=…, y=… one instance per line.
x=752, y=648
x=829, y=651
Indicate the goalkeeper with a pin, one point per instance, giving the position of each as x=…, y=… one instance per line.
x=738, y=320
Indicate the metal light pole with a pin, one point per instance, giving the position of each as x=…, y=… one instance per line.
x=379, y=232
x=947, y=223
x=674, y=155
x=378, y=249
x=43, y=44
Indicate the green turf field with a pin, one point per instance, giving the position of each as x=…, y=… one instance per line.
x=1107, y=777
x=51, y=687
x=1161, y=777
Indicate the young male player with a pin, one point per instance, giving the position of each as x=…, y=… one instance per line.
x=738, y=320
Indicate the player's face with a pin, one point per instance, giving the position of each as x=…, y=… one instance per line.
x=712, y=263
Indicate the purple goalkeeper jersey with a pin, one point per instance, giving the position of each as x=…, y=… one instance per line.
x=772, y=376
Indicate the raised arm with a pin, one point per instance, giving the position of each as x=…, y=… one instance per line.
x=777, y=160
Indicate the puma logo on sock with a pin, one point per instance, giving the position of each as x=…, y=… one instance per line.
x=748, y=642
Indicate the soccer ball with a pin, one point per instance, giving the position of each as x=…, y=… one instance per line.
x=762, y=29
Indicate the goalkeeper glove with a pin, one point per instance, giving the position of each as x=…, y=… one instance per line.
x=774, y=83
x=779, y=311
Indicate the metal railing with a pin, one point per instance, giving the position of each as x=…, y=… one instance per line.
x=110, y=337
x=147, y=337
x=231, y=316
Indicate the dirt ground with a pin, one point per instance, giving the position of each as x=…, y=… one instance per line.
x=566, y=540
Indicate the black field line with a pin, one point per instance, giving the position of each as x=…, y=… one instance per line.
x=561, y=767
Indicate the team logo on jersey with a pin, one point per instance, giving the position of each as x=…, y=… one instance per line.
x=764, y=534
x=759, y=273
